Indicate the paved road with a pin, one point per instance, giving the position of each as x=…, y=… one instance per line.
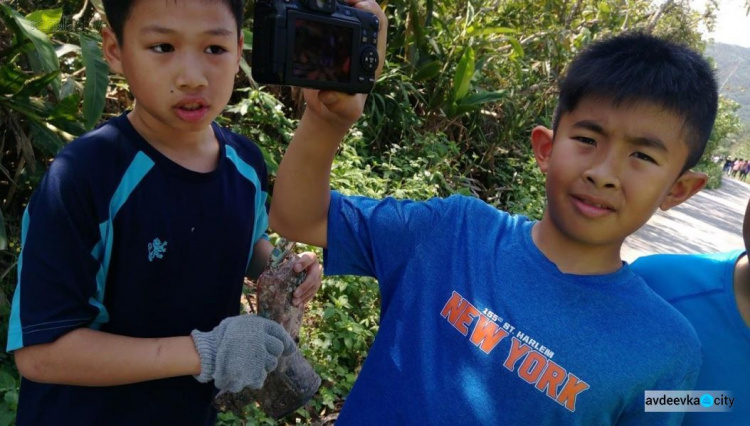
x=711, y=221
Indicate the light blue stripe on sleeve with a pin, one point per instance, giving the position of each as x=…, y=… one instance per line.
x=15, y=333
x=261, y=216
x=102, y=252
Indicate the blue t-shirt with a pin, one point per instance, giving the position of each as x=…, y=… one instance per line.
x=478, y=327
x=119, y=238
x=701, y=287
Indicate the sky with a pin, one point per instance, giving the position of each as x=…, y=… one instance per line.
x=732, y=24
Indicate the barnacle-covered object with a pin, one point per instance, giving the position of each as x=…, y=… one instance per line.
x=294, y=381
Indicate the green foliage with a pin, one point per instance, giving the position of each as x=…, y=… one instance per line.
x=44, y=103
x=713, y=170
x=726, y=132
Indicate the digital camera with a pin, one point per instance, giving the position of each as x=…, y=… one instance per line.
x=321, y=44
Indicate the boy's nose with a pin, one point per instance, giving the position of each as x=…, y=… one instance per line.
x=603, y=174
x=190, y=73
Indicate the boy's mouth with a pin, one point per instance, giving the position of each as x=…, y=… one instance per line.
x=191, y=104
x=592, y=206
x=192, y=109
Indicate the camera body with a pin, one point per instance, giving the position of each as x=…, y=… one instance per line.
x=321, y=44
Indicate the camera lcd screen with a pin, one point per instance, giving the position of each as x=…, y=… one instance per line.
x=322, y=51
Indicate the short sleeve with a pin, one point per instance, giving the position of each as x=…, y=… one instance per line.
x=56, y=269
x=377, y=237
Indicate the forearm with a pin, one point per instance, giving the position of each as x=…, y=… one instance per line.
x=86, y=357
x=301, y=196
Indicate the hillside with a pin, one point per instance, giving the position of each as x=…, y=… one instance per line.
x=733, y=64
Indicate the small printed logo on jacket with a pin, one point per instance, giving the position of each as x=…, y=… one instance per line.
x=156, y=249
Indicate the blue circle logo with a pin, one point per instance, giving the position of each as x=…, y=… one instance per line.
x=707, y=400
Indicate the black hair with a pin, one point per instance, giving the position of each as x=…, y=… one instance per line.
x=117, y=12
x=639, y=67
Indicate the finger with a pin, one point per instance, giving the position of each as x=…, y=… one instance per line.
x=374, y=8
x=302, y=301
x=275, y=346
x=306, y=291
x=346, y=107
x=289, y=345
x=305, y=260
x=305, y=297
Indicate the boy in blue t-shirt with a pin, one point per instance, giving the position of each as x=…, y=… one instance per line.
x=713, y=292
x=489, y=318
x=136, y=242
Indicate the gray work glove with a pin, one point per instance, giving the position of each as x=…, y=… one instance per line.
x=241, y=351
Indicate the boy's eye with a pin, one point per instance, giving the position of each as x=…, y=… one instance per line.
x=587, y=141
x=644, y=157
x=162, y=48
x=215, y=50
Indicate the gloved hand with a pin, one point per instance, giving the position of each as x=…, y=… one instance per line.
x=241, y=351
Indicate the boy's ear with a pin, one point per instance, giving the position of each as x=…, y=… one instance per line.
x=111, y=50
x=541, y=143
x=684, y=187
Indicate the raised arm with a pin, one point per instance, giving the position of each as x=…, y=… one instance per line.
x=301, y=196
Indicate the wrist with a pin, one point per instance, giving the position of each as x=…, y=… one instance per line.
x=204, y=346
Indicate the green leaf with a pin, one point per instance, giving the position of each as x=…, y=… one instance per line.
x=65, y=116
x=45, y=139
x=36, y=85
x=248, y=42
x=482, y=98
x=6, y=416
x=11, y=80
x=463, y=109
x=12, y=398
x=7, y=382
x=475, y=32
x=69, y=87
x=427, y=71
x=464, y=73
x=43, y=57
x=97, y=79
x=516, y=47
x=246, y=68
x=46, y=19
x=98, y=6
x=32, y=108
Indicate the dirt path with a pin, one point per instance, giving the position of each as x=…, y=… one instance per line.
x=711, y=221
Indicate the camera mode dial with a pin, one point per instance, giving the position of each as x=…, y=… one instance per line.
x=369, y=59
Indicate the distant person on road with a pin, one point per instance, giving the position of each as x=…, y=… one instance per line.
x=737, y=166
x=745, y=169
x=713, y=292
x=728, y=166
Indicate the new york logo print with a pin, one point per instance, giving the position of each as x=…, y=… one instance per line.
x=156, y=249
